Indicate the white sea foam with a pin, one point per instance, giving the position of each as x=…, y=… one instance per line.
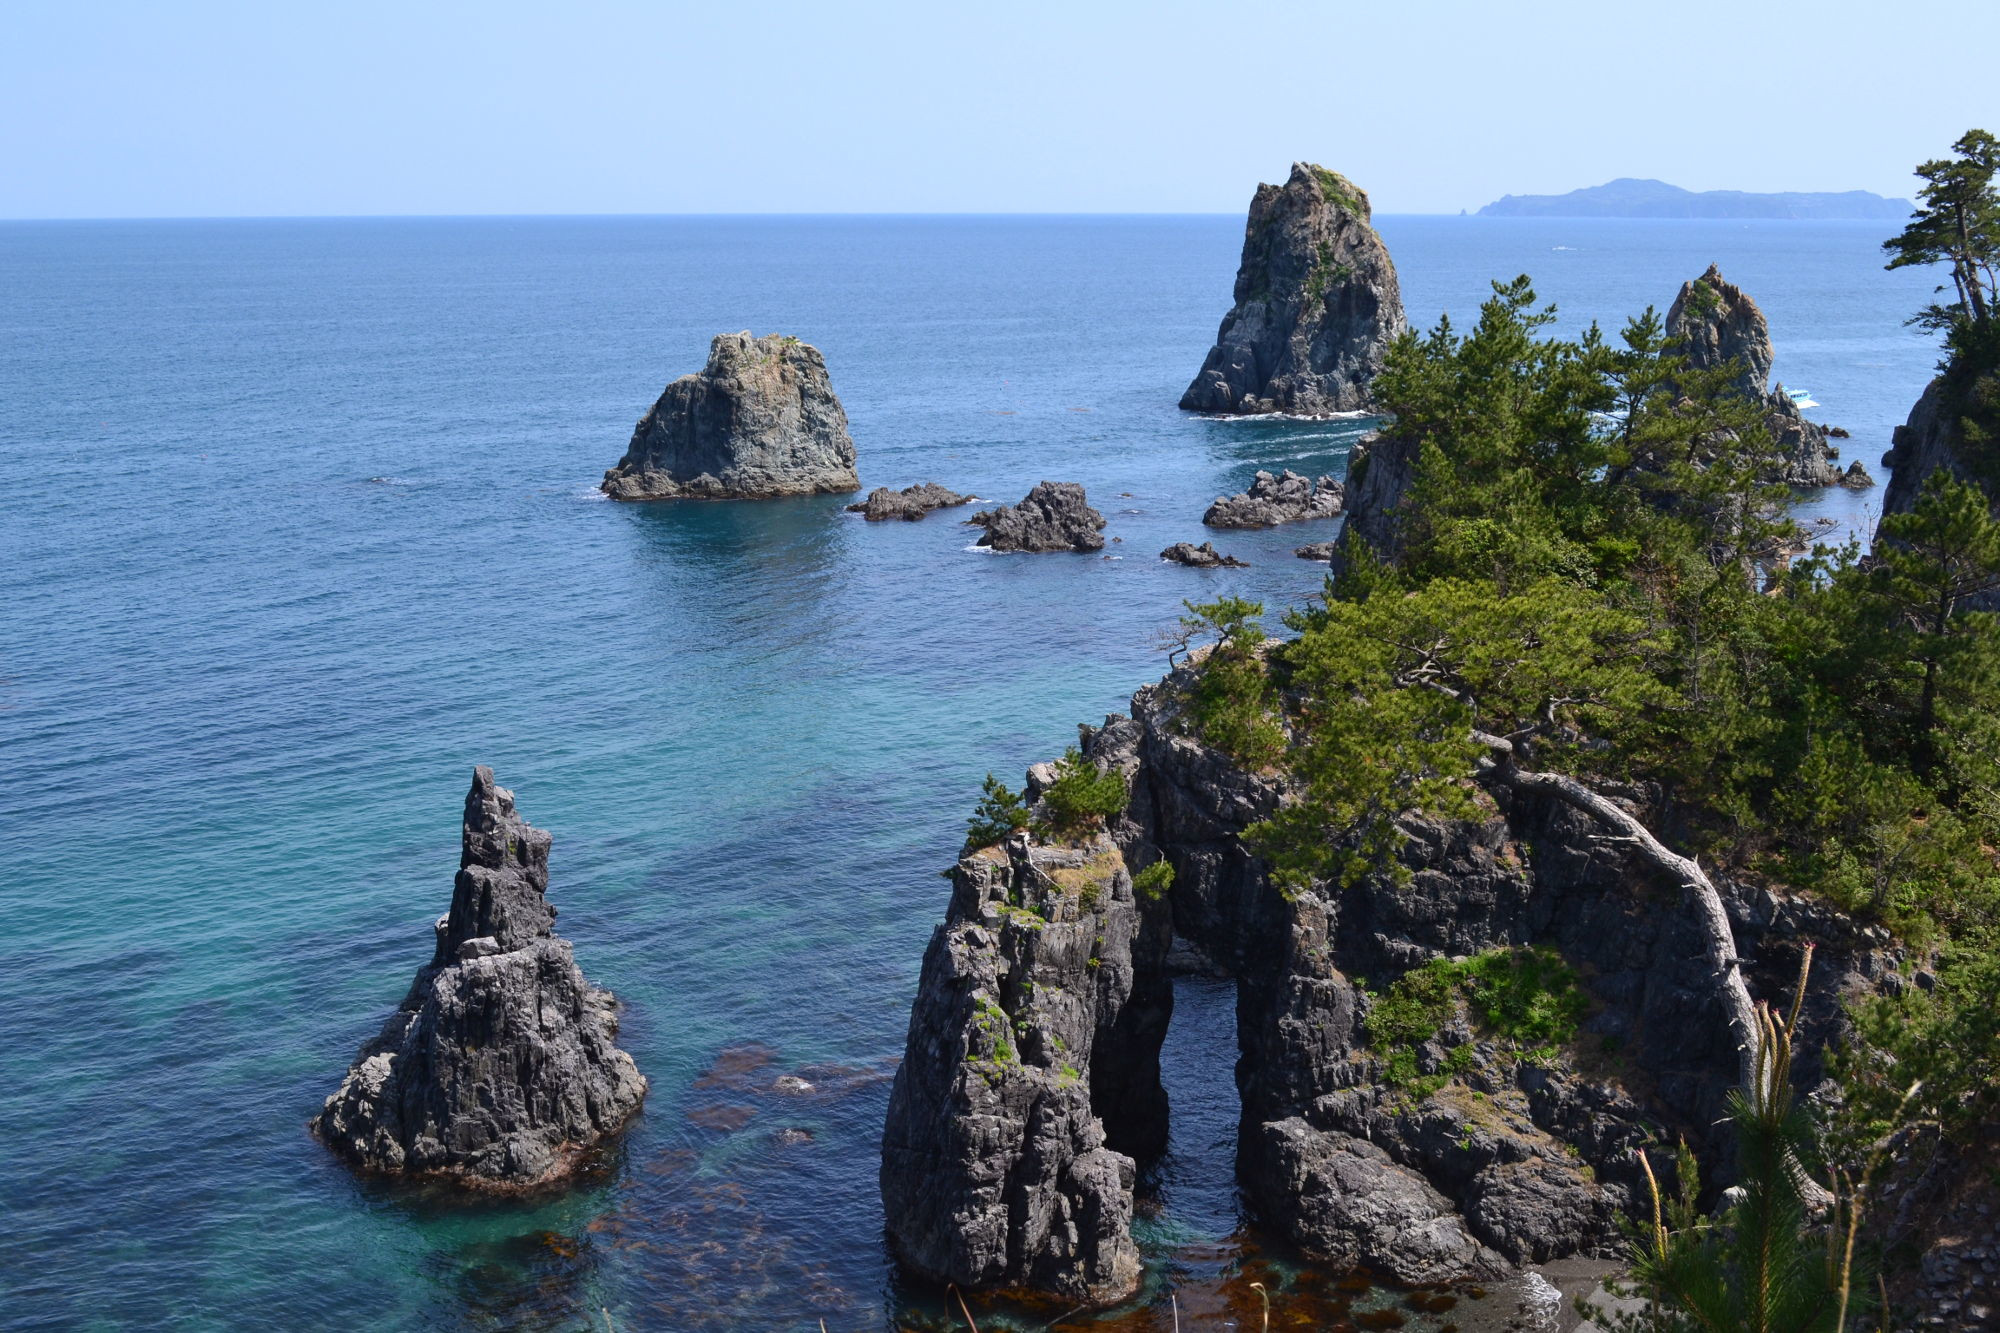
x=1286, y=416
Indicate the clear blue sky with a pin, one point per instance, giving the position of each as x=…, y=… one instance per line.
x=219, y=107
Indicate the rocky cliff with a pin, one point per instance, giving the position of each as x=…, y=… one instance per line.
x=1949, y=430
x=759, y=420
x=500, y=1068
x=1316, y=304
x=1041, y=1007
x=1457, y=1154
x=1714, y=323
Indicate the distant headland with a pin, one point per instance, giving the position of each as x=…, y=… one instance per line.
x=1629, y=198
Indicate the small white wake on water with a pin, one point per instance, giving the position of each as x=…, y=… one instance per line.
x=1284, y=416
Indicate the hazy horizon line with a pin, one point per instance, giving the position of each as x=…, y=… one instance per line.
x=859, y=213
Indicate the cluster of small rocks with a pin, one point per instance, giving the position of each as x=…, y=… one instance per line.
x=1271, y=500
x=1204, y=556
x=911, y=503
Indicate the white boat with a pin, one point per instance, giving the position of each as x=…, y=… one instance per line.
x=1801, y=397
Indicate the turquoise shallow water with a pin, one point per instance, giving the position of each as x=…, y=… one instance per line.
x=300, y=524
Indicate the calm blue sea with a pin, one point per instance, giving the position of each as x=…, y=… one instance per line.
x=298, y=523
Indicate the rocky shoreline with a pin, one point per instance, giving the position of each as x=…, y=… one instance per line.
x=1049, y=950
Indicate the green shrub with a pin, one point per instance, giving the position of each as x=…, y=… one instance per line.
x=1081, y=797
x=1153, y=882
x=1233, y=703
x=999, y=814
x=1529, y=997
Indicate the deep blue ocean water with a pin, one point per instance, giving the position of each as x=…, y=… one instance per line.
x=298, y=523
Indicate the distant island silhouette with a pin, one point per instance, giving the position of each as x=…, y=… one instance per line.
x=1630, y=198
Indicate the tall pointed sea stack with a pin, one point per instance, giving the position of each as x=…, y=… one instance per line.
x=1713, y=323
x=500, y=1069
x=760, y=420
x=1031, y=1074
x=1317, y=304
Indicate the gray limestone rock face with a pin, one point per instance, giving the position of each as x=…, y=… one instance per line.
x=1285, y=498
x=500, y=1069
x=759, y=420
x=1361, y=1209
x=1713, y=322
x=1927, y=442
x=1380, y=472
x=1502, y=1156
x=1316, y=305
x=910, y=504
x=1204, y=556
x=1040, y=1010
x=1054, y=516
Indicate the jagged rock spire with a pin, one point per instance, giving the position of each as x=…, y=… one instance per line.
x=500, y=1069
x=1316, y=304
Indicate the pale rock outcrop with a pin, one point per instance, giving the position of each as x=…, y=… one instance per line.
x=500, y=1069
x=1316, y=305
x=1054, y=516
x=1285, y=498
x=759, y=420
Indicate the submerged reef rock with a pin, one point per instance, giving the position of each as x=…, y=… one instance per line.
x=1204, y=556
x=1317, y=304
x=1321, y=551
x=1031, y=1024
x=911, y=503
x=1054, y=516
x=1714, y=323
x=1286, y=498
x=1458, y=1153
x=500, y=1069
x=759, y=420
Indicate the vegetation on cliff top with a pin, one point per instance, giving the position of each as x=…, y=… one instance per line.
x=1595, y=594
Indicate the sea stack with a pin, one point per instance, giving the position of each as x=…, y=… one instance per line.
x=500, y=1069
x=1317, y=304
x=1713, y=323
x=759, y=420
x=1032, y=1023
x=1054, y=516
